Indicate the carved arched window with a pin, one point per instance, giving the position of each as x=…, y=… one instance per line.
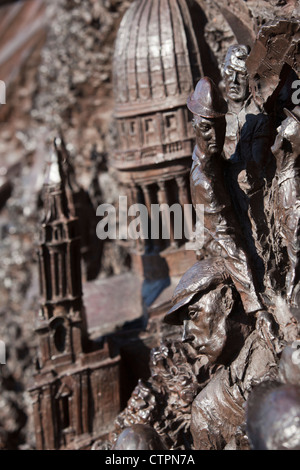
x=59, y=334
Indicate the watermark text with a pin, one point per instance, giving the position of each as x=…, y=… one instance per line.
x=296, y=93
x=164, y=222
x=2, y=352
x=296, y=353
x=2, y=92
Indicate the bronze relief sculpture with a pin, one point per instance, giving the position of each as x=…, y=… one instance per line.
x=236, y=305
x=235, y=328
x=212, y=316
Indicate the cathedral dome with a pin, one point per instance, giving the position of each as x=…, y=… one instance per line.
x=156, y=61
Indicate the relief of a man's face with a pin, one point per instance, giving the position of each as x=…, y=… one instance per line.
x=210, y=134
x=236, y=83
x=205, y=323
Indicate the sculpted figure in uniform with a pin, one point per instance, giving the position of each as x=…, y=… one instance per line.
x=247, y=132
x=216, y=298
x=247, y=149
x=214, y=322
x=286, y=200
x=222, y=232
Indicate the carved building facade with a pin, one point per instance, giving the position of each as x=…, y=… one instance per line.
x=72, y=402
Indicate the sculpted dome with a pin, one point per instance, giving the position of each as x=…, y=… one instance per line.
x=156, y=60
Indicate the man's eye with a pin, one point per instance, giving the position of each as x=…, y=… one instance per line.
x=193, y=314
x=204, y=129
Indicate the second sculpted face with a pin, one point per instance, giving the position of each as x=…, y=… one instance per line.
x=236, y=84
x=210, y=134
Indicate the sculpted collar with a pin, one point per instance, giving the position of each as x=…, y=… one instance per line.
x=204, y=161
x=249, y=103
x=198, y=156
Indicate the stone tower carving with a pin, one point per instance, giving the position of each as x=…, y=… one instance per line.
x=61, y=320
x=70, y=408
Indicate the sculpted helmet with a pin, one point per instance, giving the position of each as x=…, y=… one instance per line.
x=202, y=276
x=272, y=416
x=206, y=100
x=294, y=113
x=236, y=57
x=139, y=437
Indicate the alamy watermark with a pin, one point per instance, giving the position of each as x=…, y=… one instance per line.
x=296, y=93
x=2, y=92
x=163, y=221
x=2, y=352
x=296, y=353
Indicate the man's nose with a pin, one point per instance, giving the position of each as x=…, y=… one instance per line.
x=234, y=77
x=277, y=144
x=186, y=336
x=212, y=134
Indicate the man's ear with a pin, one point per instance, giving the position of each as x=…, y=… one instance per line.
x=223, y=70
x=227, y=299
